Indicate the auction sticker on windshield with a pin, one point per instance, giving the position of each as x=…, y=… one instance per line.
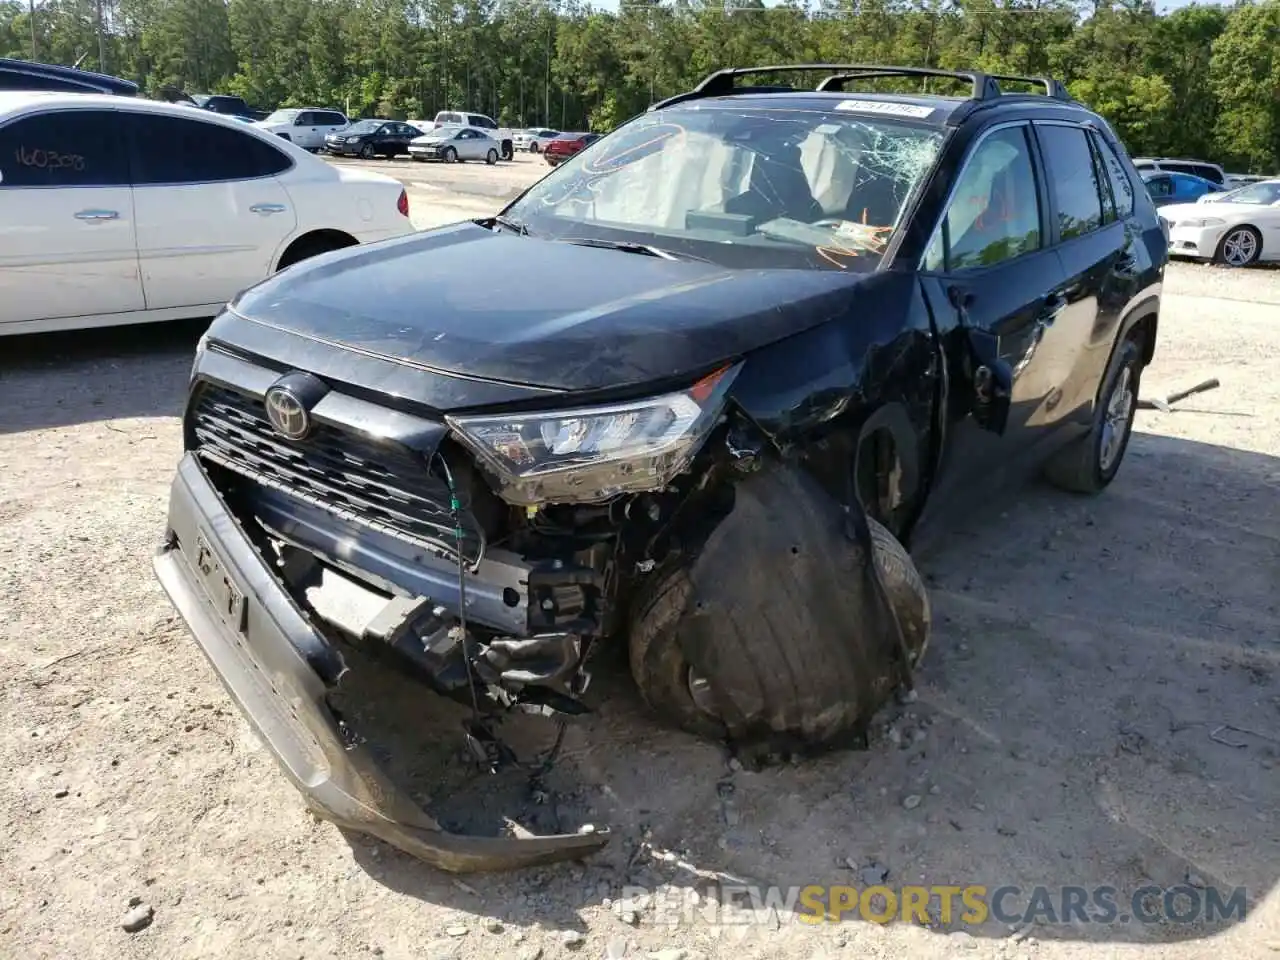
x=880, y=106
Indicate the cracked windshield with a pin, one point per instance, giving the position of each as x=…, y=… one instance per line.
x=741, y=187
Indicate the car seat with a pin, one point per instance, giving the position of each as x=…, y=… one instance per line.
x=777, y=187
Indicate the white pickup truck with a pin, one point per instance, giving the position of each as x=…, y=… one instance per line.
x=464, y=118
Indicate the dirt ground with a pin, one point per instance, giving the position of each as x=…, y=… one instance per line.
x=1100, y=705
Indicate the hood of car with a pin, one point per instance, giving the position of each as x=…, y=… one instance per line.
x=456, y=300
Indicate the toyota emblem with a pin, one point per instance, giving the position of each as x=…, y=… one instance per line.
x=287, y=414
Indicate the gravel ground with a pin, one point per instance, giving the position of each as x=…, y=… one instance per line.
x=1067, y=732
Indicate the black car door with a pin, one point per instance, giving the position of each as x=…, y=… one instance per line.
x=996, y=289
x=1098, y=259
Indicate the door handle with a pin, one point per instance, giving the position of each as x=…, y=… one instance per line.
x=95, y=215
x=268, y=208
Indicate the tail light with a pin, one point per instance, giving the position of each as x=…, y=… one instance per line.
x=403, y=203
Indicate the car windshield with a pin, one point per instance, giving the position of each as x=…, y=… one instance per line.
x=365, y=126
x=1261, y=194
x=282, y=116
x=742, y=186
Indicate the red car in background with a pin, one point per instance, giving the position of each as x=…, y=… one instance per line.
x=566, y=145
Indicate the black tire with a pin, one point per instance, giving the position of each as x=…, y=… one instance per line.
x=533, y=146
x=491, y=157
x=508, y=149
x=449, y=155
x=803, y=694
x=367, y=152
x=1089, y=463
x=1240, y=246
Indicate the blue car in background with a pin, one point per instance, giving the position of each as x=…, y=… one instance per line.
x=1166, y=188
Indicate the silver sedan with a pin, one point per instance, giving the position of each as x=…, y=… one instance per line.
x=452, y=144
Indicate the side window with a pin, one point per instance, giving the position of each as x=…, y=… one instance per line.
x=994, y=213
x=1072, y=178
x=1160, y=187
x=1121, y=185
x=64, y=148
x=1208, y=173
x=177, y=150
x=333, y=120
x=305, y=119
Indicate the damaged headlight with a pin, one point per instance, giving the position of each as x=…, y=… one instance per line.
x=593, y=453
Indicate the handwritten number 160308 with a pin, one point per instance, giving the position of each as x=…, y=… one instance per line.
x=49, y=159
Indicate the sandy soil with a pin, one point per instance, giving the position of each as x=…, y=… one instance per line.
x=1086, y=654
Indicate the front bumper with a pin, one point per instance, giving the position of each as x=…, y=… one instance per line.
x=1198, y=242
x=277, y=667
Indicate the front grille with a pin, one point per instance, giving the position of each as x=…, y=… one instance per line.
x=378, y=484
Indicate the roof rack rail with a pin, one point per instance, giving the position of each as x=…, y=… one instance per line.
x=982, y=86
x=1052, y=88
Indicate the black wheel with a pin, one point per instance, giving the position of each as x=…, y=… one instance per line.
x=1088, y=464
x=804, y=676
x=533, y=146
x=508, y=149
x=491, y=157
x=367, y=152
x=449, y=155
x=1239, y=247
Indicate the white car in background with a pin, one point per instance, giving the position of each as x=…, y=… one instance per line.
x=1236, y=228
x=452, y=144
x=305, y=126
x=118, y=210
x=534, y=139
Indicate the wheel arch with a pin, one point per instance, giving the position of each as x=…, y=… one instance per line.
x=886, y=466
x=312, y=242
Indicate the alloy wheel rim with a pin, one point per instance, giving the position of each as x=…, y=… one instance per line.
x=1239, y=247
x=1115, y=420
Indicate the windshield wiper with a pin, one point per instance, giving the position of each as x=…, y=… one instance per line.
x=509, y=223
x=626, y=246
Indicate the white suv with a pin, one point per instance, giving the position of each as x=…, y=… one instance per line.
x=117, y=210
x=307, y=126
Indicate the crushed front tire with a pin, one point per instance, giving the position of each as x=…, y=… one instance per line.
x=775, y=635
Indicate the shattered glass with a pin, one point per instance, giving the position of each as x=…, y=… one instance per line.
x=828, y=185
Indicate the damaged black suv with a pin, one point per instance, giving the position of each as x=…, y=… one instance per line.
x=778, y=331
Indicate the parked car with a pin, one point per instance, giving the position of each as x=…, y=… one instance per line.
x=116, y=211
x=372, y=138
x=28, y=75
x=228, y=106
x=1264, y=192
x=720, y=477
x=1237, y=229
x=478, y=121
x=307, y=127
x=535, y=139
x=453, y=144
x=1244, y=179
x=1167, y=188
x=564, y=146
x=1197, y=168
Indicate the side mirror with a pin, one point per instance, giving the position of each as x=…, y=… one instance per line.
x=297, y=122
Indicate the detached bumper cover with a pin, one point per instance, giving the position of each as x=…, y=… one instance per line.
x=272, y=661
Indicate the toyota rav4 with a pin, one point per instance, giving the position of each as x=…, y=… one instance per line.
x=780, y=331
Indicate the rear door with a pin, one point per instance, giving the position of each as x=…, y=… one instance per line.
x=1098, y=264
x=995, y=287
x=211, y=214
x=67, y=231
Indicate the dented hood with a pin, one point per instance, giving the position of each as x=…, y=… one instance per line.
x=496, y=306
